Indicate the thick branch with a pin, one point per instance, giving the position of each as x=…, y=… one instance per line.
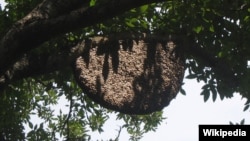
x=31, y=65
x=49, y=9
x=21, y=39
x=39, y=64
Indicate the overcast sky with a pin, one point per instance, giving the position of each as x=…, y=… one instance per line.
x=184, y=114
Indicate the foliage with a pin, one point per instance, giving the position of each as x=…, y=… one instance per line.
x=220, y=31
x=242, y=122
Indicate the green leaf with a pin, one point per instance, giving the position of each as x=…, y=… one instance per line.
x=144, y=8
x=131, y=22
x=198, y=29
x=191, y=76
x=205, y=94
x=35, y=127
x=211, y=28
x=246, y=107
x=231, y=123
x=247, y=18
x=182, y=91
x=220, y=54
x=205, y=86
x=214, y=92
x=92, y=2
x=144, y=24
x=242, y=122
x=41, y=126
x=30, y=125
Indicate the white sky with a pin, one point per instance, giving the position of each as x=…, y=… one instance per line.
x=2, y=3
x=184, y=114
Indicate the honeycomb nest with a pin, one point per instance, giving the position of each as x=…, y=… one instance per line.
x=130, y=77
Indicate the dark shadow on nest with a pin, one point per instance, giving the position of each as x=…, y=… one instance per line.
x=149, y=84
x=151, y=87
x=111, y=49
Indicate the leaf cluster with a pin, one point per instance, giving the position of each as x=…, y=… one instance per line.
x=219, y=31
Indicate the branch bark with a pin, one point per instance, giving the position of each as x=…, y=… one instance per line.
x=38, y=27
x=54, y=17
x=32, y=64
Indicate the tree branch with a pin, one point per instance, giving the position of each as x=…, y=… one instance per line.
x=28, y=35
x=39, y=64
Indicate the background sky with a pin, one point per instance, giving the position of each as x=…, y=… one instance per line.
x=183, y=115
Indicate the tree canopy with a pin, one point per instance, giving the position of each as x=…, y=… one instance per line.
x=40, y=41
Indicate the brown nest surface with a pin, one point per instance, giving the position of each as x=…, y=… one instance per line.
x=130, y=77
